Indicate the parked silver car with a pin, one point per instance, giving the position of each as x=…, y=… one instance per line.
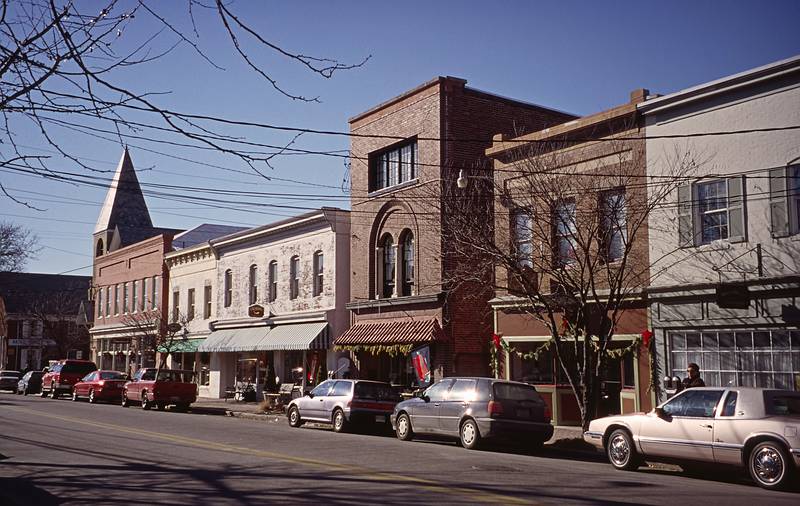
x=9, y=380
x=755, y=428
x=474, y=409
x=343, y=402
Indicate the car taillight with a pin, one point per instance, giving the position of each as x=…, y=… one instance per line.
x=547, y=412
x=495, y=408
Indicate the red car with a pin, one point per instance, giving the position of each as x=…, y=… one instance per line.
x=100, y=386
x=63, y=375
x=172, y=387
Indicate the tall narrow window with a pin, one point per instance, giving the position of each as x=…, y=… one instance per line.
x=134, y=296
x=273, y=280
x=108, y=301
x=294, y=277
x=176, y=300
x=407, y=250
x=253, y=296
x=565, y=230
x=207, y=302
x=613, y=223
x=125, y=297
x=116, y=299
x=190, y=304
x=156, y=281
x=713, y=210
x=319, y=270
x=522, y=237
x=394, y=166
x=100, y=303
x=389, y=254
x=146, y=282
x=228, y=288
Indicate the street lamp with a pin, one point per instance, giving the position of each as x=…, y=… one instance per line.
x=461, y=182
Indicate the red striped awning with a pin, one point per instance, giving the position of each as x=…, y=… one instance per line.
x=392, y=332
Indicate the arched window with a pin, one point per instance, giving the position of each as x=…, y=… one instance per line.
x=99, y=250
x=319, y=269
x=228, y=288
x=387, y=246
x=253, y=284
x=407, y=252
x=294, y=277
x=273, y=280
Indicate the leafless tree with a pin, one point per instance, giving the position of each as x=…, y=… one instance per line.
x=66, y=64
x=17, y=246
x=58, y=314
x=567, y=245
x=150, y=333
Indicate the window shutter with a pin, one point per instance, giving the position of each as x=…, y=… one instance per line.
x=378, y=273
x=685, y=217
x=778, y=203
x=737, y=220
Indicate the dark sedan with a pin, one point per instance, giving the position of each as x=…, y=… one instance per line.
x=31, y=383
x=9, y=380
x=476, y=409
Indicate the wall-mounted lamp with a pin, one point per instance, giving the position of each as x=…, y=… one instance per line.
x=461, y=182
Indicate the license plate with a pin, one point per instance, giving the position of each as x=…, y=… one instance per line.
x=380, y=418
x=523, y=413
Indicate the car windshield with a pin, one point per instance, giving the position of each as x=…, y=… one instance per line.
x=81, y=368
x=111, y=375
x=513, y=392
x=782, y=403
x=380, y=391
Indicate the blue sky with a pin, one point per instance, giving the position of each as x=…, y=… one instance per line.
x=577, y=56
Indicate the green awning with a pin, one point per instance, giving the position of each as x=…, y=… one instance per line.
x=182, y=346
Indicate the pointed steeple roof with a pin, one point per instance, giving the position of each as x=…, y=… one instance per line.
x=124, y=206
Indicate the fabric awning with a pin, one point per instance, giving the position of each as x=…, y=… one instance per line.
x=297, y=336
x=388, y=332
x=246, y=339
x=181, y=346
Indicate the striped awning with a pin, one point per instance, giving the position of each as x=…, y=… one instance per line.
x=389, y=332
x=182, y=346
x=226, y=340
x=297, y=336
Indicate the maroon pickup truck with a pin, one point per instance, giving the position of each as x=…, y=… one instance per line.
x=173, y=386
x=63, y=375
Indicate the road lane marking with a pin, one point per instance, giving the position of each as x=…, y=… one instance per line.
x=470, y=493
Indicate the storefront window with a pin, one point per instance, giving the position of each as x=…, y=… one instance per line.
x=205, y=366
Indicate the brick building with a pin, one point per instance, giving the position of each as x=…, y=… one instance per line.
x=405, y=153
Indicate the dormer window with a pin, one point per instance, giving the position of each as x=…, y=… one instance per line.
x=393, y=166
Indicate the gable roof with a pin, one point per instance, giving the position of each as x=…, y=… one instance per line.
x=124, y=205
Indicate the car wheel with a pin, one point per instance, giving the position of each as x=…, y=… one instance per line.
x=470, y=436
x=294, y=417
x=339, y=421
x=403, y=428
x=43, y=393
x=53, y=391
x=74, y=395
x=146, y=404
x=161, y=406
x=92, y=398
x=621, y=451
x=125, y=401
x=769, y=466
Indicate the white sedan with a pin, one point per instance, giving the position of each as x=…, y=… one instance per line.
x=755, y=428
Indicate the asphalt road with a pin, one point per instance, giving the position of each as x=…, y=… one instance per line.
x=61, y=452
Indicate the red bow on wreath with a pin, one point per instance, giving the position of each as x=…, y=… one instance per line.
x=647, y=335
x=496, y=340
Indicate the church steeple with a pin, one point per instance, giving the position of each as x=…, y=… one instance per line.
x=124, y=213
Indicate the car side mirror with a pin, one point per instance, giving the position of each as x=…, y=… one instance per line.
x=659, y=412
x=425, y=398
x=310, y=395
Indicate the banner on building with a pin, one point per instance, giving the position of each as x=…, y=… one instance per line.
x=421, y=360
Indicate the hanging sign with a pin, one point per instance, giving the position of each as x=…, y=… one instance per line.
x=255, y=311
x=421, y=360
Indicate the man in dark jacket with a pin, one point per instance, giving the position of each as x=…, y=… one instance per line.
x=694, y=379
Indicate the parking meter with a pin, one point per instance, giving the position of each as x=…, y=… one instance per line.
x=672, y=385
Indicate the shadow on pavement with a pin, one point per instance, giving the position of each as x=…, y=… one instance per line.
x=23, y=492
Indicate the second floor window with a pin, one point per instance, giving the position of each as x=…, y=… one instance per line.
x=393, y=166
x=564, y=231
x=407, y=250
x=711, y=210
x=294, y=277
x=389, y=253
x=176, y=300
x=228, y=288
x=273, y=280
x=207, y=302
x=134, y=297
x=100, y=303
x=156, y=281
x=116, y=299
x=253, y=284
x=319, y=270
x=784, y=200
x=190, y=304
x=125, y=297
x=613, y=224
x=108, y=301
x=522, y=237
x=146, y=282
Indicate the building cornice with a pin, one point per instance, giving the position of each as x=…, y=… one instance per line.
x=395, y=301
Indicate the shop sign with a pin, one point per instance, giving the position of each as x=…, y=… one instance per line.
x=255, y=311
x=421, y=360
x=33, y=341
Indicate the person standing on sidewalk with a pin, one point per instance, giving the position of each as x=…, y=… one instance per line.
x=693, y=380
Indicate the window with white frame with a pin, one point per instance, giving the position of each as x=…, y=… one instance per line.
x=388, y=260
x=273, y=280
x=613, y=223
x=100, y=303
x=146, y=294
x=522, y=237
x=564, y=231
x=712, y=202
x=393, y=166
x=108, y=301
x=116, y=299
x=207, y=302
x=253, y=279
x=228, y=288
x=125, y=297
x=711, y=210
x=176, y=301
x=294, y=277
x=190, y=304
x=156, y=281
x=319, y=273
x=407, y=251
x=134, y=296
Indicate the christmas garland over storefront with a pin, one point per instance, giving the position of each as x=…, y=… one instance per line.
x=376, y=349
